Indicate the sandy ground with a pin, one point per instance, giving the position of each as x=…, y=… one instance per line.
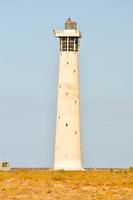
x=62, y=185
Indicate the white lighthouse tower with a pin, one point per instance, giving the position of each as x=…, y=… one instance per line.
x=68, y=143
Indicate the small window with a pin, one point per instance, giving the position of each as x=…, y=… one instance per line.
x=75, y=101
x=64, y=43
x=5, y=164
x=59, y=117
x=75, y=132
x=67, y=93
x=71, y=44
x=60, y=86
x=67, y=63
x=74, y=70
x=76, y=44
x=66, y=124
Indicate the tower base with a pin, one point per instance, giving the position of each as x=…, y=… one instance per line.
x=72, y=165
x=69, y=169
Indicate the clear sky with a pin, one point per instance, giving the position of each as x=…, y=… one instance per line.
x=28, y=80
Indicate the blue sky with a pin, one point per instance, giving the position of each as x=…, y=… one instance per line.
x=29, y=73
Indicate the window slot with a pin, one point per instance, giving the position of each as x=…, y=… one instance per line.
x=71, y=44
x=64, y=44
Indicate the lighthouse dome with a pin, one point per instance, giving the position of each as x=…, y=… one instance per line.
x=69, y=24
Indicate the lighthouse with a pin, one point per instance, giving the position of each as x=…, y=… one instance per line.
x=68, y=137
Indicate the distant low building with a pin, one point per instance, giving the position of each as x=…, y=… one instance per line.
x=4, y=166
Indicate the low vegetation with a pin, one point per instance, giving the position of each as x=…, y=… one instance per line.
x=67, y=185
